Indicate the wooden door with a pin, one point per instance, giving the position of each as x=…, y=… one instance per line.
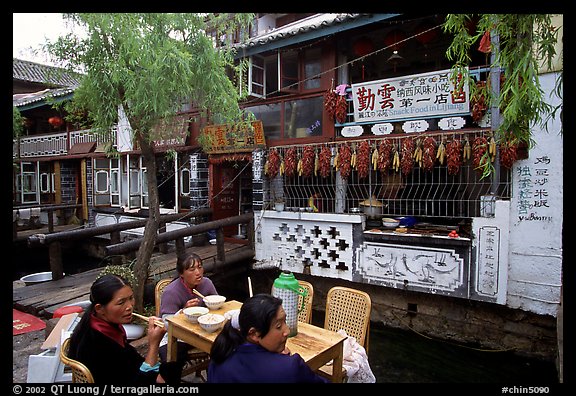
x=225, y=195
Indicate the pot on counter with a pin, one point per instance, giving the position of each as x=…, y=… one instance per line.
x=372, y=207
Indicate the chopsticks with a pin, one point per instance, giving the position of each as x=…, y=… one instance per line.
x=198, y=293
x=157, y=322
x=250, y=287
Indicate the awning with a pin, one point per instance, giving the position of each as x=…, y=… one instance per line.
x=82, y=148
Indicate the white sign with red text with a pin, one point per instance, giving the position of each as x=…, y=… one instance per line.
x=415, y=96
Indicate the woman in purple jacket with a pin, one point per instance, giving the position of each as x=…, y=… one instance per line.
x=257, y=352
x=178, y=295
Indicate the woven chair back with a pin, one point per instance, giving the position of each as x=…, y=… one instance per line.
x=158, y=290
x=349, y=309
x=80, y=373
x=305, y=315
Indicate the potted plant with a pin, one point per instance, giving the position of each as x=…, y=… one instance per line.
x=279, y=204
x=123, y=271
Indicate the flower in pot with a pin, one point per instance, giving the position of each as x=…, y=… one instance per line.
x=279, y=204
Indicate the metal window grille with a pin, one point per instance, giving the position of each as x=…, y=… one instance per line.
x=434, y=193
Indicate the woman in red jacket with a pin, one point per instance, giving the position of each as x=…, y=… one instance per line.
x=257, y=352
x=99, y=340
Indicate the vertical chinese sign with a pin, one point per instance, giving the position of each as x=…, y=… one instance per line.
x=533, y=181
x=416, y=96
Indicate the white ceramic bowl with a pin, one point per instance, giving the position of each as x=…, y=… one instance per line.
x=390, y=223
x=193, y=313
x=214, y=301
x=134, y=331
x=211, y=322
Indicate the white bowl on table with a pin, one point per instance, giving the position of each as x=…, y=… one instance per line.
x=211, y=322
x=193, y=313
x=214, y=301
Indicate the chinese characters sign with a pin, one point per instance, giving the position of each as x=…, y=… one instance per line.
x=488, y=259
x=415, y=96
x=533, y=186
x=228, y=138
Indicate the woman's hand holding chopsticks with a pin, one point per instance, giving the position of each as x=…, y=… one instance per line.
x=157, y=321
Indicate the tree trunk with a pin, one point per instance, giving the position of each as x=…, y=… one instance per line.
x=141, y=268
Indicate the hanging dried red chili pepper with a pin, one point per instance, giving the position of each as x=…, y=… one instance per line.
x=508, y=153
x=324, y=158
x=272, y=165
x=384, y=155
x=406, y=161
x=454, y=156
x=363, y=160
x=428, y=153
x=479, y=148
x=290, y=162
x=344, y=155
x=308, y=161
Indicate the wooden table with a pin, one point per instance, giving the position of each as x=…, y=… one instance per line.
x=316, y=345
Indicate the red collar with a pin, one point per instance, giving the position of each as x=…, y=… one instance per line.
x=114, y=331
x=187, y=287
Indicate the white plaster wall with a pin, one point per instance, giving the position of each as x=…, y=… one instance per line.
x=285, y=239
x=124, y=132
x=536, y=219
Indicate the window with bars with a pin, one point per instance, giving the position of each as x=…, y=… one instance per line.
x=422, y=193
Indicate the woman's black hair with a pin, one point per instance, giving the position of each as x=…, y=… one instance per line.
x=186, y=261
x=101, y=292
x=257, y=312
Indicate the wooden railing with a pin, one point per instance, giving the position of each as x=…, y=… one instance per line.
x=117, y=248
x=54, y=144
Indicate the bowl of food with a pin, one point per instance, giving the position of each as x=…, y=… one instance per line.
x=214, y=301
x=211, y=322
x=390, y=223
x=193, y=313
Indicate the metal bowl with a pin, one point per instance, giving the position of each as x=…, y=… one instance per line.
x=38, y=277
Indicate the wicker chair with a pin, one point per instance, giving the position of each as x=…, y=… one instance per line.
x=348, y=309
x=305, y=315
x=80, y=373
x=197, y=360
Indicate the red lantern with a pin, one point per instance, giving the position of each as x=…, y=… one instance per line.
x=395, y=39
x=362, y=46
x=425, y=33
x=56, y=121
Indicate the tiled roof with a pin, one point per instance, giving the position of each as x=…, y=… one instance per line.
x=35, y=72
x=313, y=22
x=28, y=98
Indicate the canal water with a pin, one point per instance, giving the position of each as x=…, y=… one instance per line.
x=404, y=356
x=395, y=355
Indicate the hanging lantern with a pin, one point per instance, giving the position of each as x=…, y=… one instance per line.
x=362, y=46
x=425, y=33
x=394, y=39
x=55, y=121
